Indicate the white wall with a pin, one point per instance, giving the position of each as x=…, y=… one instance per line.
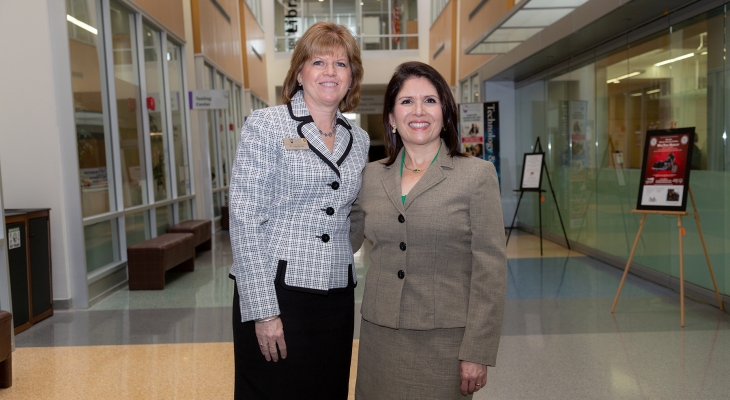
x=504, y=93
x=37, y=137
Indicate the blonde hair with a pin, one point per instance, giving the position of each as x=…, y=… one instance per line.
x=325, y=38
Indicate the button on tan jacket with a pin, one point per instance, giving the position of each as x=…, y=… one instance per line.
x=454, y=263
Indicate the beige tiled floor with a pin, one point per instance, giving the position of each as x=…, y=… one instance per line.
x=525, y=245
x=163, y=371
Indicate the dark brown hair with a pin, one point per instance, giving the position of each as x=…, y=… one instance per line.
x=450, y=131
x=324, y=38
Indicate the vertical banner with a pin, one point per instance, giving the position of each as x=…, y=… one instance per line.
x=293, y=22
x=479, y=126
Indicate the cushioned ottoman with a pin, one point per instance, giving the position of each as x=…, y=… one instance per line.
x=148, y=261
x=201, y=228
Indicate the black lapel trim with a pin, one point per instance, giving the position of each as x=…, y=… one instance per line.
x=349, y=144
x=344, y=123
x=306, y=120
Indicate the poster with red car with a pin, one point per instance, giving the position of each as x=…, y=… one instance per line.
x=665, y=169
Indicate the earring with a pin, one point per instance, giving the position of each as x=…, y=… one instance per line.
x=394, y=130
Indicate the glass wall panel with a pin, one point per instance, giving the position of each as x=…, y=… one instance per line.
x=222, y=132
x=405, y=25
x=102, y=245
x=156, y=114
x=163, y=215
x=208, y=83
x=184, y=210
x=137, y=227
x=231, y=129
x=217, y=204
x=379, y=24
x=344, y=12
x=128, y=105
x=177, y=106
x=90, y=109
x=594, y=118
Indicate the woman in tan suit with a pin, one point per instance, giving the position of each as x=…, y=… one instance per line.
x=434, y=293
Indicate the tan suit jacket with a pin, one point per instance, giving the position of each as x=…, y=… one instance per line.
x=439, y=260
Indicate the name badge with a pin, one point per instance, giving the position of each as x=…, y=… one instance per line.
x=296, y=144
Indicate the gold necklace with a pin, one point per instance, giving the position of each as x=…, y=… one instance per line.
x=414, y=170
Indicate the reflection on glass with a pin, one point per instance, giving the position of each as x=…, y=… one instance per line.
x=234, y=127
x=92, y=133
x=155, y=106
x=592, y=120
x=137, y=228
x=101, y=244
x=217, y=204
x=208, y=83
x=164, y=219
x=184, y=210
x=128, y=105
x=221, y=141
x=175, y=71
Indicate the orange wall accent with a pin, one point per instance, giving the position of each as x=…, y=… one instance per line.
x=252, y=36
x=168, y=12
x=443, y=32
x=216, y=37
x=490, y=13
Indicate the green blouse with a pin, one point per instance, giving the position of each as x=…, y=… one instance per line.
x=403, y=162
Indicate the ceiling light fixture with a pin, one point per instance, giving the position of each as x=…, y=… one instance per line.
x=654, y=91
x=688, y=55
x=622, y=77
x=82, y=25
x=636, y=94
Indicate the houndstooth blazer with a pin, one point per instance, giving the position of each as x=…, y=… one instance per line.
x=290, y=209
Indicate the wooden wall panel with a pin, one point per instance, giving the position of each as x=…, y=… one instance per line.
x=443, y=33
x=253, y=37
x=218, y=37
x=472, y=29
x=168, y=12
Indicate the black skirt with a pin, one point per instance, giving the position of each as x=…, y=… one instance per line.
x=318, y=332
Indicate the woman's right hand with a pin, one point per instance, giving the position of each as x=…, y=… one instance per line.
x=270, y=334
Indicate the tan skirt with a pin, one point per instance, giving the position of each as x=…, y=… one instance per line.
x=401, y=364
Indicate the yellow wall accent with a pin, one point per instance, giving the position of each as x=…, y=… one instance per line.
x=168, y=12
x=217, y=38
x=252, y=36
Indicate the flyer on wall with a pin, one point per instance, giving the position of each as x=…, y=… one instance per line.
x=665, y=169
x=479, y=131
x=472, y=129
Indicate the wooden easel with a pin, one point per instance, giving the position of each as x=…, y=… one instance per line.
x=679, y=215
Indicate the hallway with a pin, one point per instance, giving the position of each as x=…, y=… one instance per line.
x=559, y=339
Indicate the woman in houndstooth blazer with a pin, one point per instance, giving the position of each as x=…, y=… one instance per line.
x=297, y=171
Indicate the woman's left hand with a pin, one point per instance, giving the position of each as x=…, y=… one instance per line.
x=473, y=377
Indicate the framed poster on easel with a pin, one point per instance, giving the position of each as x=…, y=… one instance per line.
x=664, y=189
x=532, y=171
x=665, y=170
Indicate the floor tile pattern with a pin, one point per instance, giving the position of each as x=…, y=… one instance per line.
x=559, y=339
